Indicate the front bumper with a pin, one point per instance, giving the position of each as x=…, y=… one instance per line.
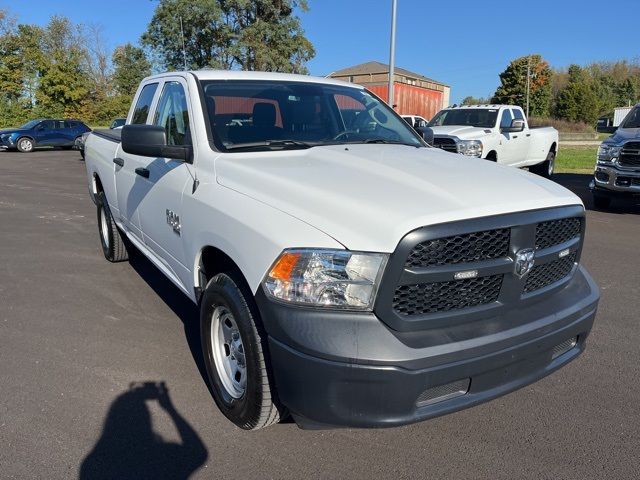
x=349, y=369
x=616, y=181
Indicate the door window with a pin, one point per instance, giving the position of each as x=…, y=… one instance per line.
x=172, y=114
x=143, y=105
x=507, y=117
x=517, y=114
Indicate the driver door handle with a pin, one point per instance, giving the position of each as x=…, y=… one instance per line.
x=119, y=162
x=143, y=172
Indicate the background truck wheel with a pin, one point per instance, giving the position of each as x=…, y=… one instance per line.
x=24, y=145
x=601, y=201
x=545, y=169
x=112, y=240
x=234, y=349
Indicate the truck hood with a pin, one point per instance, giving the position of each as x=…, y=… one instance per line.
x=624, y=134
x=461, y=131
x=11, y=130
x=368, y=197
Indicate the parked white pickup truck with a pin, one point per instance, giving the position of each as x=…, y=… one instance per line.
x=346, y=272
x=496, y=132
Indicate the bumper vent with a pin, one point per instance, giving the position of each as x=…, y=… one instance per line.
x=469, y=247
x=443, y=392
x=556, y=232
x=445, y=296
x=564, y=347
x=549, y=273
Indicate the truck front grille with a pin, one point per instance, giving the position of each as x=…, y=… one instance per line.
x=448, y=144
x=556, y=232
x=469, y=247
x=446, y=296
x=630, y=155
x=549, y=273
x=467, y=269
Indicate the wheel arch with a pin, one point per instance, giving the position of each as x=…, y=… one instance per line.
x=209, y=262
x=554, y=147
x=492, y=155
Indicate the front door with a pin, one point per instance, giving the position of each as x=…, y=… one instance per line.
x=161, y=207
x=514, y=144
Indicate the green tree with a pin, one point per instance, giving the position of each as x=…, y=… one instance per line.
x=513, y=85
x=475, y=101
x=130, y=67
x=63, y=84
x=230, y=34
x=578, y=102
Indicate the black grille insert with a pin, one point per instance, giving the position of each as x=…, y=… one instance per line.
x=556, y=232
x=548, y=273
x=448, y=144
x=630, y=155
x=427, y=298
x=468, y=247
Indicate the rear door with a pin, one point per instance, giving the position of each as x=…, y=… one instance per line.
x=161, y=205
x=131, y=186
x=60, y=136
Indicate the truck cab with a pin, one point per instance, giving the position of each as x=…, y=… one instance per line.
x=499, y=133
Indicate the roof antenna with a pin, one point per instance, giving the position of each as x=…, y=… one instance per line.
x=184, y=53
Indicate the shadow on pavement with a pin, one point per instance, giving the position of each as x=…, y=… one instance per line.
x=177, y=301
x=578, y=183
x=129, y=448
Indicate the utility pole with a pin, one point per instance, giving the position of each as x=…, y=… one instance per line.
x=392, y=53
x=184, y=53
x=528, y=82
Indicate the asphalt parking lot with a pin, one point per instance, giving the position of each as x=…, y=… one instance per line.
x=85, y=346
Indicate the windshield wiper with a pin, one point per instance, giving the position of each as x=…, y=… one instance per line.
x=280, y=144
x=390, y=142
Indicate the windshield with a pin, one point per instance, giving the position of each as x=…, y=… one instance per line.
x=472, y=117
x=276, y=115
x=632, y=120
x=30, y=124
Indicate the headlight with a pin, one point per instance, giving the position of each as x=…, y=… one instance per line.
x=472, y=148
x=608, y=153
x=326, y=278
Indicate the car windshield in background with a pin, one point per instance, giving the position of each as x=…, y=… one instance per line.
x=632, y=119
x=472, y=117
x=30, y=124
x=266, y=115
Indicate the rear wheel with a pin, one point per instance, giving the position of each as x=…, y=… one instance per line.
x=234, y=351
x=24, y=145
x=112, y=240
x=545, y=169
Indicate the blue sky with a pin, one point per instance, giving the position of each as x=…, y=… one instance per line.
x=465, y=44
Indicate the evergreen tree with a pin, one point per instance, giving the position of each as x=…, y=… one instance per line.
x=577, y=102
x=130, y=67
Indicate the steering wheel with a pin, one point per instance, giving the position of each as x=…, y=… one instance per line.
x=346, y=132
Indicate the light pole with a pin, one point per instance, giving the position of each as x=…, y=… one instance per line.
x=392, y=53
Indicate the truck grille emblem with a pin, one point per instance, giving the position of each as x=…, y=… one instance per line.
x=525, y=259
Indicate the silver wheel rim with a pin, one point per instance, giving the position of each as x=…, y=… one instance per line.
x=104, y=227
x=228, y=352
x=26, y=145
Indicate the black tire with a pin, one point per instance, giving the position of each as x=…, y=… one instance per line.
x=256, y=406
x=545, y=169
x=111, y=238
x=67, y=147
x=601, y=201
x=25, y=145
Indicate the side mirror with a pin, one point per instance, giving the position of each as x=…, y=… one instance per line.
x=426, y=133
x=151, y=141
x=517, y=125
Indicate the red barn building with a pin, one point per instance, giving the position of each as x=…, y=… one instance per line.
x=414, y=94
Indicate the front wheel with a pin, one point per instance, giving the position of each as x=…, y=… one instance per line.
x=234, y=354
x=24, y=145
x=545, y=169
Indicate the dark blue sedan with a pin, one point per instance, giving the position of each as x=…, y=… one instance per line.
x=43, y=133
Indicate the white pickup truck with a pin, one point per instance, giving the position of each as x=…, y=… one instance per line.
x=496, y=132
x=346, y=272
